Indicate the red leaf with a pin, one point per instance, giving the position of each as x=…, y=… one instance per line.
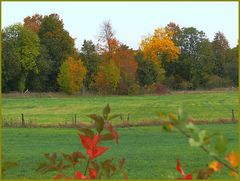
x=113, y=132
x=96, y=151
x=86, y=141
x=188, y=177
x=79, y=175
x=179, y=168
x=92, y=173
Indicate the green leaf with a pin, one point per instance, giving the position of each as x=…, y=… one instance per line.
x=99, y=122
x=193, y=142
x=191, y=127
x=106, y=111
x=182, y=116
x=203, y=137
x=114, y=116
x=221, y=144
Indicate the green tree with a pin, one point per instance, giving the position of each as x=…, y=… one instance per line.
x=91, y=60
x=40, y=81
x=24, y=45
x=220, y=48
x=203, y=65
x=231, y=65
x=58, y=42
x=147, y=72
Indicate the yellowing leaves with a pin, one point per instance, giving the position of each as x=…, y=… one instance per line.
x=71, y=75
x=158, y=45
x=233, y=159
x=215, y=165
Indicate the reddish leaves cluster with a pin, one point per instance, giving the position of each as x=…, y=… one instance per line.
x=180, y=170
x=90, y=144
x=90, y=141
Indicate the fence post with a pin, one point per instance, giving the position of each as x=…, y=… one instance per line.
x=128, y=118
x=75, y=118
x=23, y=123
x=233, y=118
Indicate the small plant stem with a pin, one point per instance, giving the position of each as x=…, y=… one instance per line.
x=86, y=166
x=207, y=151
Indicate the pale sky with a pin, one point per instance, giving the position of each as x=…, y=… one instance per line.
x=131, y=20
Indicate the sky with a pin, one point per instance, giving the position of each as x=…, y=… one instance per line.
x=131, y=20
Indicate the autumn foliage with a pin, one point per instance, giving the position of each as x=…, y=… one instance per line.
x=107, y=78
x=160, y=45
x=214, y=144
x=127, y=64
x=71, y=75
x=85, y=166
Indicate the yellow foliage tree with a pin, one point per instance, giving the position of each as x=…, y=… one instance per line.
x=71, y=75
x=159, y=45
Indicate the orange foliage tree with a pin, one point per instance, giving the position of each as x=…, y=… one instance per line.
x=33, y=22
x=126, y=62
x=71, y=75
x=159, y=45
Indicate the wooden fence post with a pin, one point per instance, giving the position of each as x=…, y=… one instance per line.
x=128, y=118
x=75, y=119
x=233, y=117
x=23, y=123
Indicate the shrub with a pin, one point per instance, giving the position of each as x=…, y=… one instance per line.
x=214, y=81
x=185, y=85
x=161, y=89
x=134, y=89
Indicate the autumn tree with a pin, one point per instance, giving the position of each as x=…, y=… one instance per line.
x=159, y=45
x=58, y=42
x=107, y=78
x=71, y=75
x=33, y=22
x=125, y=60
x=91, y=60
x=107, y=41
x=20, y=48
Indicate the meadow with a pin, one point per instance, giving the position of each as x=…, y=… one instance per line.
x=150, y=153
x=54, y=110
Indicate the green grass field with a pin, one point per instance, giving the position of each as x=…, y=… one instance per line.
x=203, y=106
x=150, y=153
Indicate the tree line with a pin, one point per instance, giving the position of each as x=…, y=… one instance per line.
x=40, y=55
